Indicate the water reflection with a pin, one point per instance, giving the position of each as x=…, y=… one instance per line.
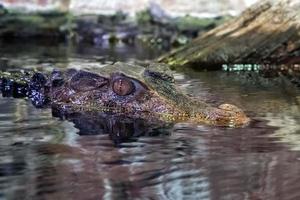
x=46, y=51
x=275, y=99
x=120, y=128
x=210, y=164
x=101, y=156
x=191, y=162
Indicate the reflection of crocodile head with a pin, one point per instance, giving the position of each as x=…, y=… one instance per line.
x=119, y=128
x=140, y=92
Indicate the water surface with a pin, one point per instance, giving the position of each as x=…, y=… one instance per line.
x=44, y=157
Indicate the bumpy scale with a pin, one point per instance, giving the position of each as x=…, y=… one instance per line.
x=146, y=92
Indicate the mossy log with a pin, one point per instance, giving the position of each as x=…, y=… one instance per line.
x=267, y=32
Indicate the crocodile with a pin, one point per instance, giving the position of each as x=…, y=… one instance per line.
x=145, y=91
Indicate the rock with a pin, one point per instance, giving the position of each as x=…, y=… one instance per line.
x=158, y=14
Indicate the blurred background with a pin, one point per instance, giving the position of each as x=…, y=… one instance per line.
x=46, y=156
x=162, y=24
x=172, y=7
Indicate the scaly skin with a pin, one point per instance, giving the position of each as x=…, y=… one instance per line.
x=140, y=92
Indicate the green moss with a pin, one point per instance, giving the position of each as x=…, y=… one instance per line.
x=143, y=17
x=19, y=24
x=188, y=22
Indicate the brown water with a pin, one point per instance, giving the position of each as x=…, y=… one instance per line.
x=43, y=157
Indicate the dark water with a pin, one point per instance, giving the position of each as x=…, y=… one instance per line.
x=43, y=157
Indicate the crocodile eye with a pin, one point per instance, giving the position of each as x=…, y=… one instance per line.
x=123, y=86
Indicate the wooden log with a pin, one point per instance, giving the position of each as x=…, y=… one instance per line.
x=267, y=32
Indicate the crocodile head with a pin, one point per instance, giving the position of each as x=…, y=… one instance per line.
x=138, y=91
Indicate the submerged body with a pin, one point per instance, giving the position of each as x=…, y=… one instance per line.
x=146, y=92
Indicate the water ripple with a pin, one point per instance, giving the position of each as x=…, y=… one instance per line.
x=42, y=157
